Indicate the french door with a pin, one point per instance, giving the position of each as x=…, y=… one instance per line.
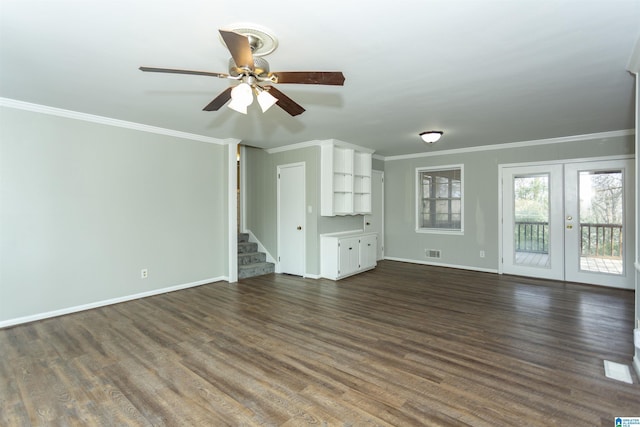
x=571, y=221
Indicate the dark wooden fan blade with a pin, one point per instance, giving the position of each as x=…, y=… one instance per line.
x=171, y=70
x=310, y=77
x=219, y=100
x=239, y=48
x=284, y=102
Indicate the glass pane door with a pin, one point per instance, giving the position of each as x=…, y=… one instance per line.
x=532, y=221
x=600, y=210
x=598, y=238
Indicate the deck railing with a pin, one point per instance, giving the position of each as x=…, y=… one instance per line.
x=596, y=240
x=532, y=236
x=601, y=240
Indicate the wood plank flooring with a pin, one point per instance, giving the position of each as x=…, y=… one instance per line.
x=401, y=345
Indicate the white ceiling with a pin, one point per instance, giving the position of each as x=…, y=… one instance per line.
x=483, y=71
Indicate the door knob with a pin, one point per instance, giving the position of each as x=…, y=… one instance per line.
x=569, y=226
x=299, y=227
x=569, y=218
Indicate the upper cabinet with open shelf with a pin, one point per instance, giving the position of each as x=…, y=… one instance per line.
x=345, y=179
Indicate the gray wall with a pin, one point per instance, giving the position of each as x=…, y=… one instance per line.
x=261, y=209
x=85, y=206
x=377, y=164
x=480, y=199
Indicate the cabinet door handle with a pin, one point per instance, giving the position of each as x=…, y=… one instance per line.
x=299, y=227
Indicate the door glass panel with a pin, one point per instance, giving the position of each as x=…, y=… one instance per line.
x=601, y=205
x=531, y=220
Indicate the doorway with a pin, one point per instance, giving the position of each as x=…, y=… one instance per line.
x=569, y=221
x=291, y=219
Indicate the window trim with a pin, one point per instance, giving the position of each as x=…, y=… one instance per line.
x=418, y=204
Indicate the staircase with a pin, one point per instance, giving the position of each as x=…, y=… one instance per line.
x=251, y=263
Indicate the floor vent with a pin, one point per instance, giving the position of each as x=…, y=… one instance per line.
x=432, y=253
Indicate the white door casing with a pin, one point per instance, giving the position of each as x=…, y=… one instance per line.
x=291, y=219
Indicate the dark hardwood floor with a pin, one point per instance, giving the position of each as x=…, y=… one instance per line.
x=401, y=345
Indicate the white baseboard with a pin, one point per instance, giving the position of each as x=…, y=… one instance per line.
x=312, y=276
x=636, y=364
x=440, y=264
x=77, y=308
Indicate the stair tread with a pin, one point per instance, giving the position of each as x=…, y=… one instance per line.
x=255, y=264
x=245, y=247
x=257, y=269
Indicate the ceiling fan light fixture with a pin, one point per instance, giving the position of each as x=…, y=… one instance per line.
x=237, y=106
x=241, y=98
x=246, y=45
x=266, y=100
x=431, y=136
x=242, y=94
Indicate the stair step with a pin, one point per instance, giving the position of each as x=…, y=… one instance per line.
x=243, y=237
x=251, y=258
x=245, y=247
x=257, y=269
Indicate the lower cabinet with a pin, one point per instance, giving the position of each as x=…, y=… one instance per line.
x=347, y=253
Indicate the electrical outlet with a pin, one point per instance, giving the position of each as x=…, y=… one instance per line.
x=481, y=254
x=144, y=273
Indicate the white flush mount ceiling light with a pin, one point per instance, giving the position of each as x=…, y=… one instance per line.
x=431, y=136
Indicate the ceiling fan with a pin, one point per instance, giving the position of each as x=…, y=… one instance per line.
x=246, y=66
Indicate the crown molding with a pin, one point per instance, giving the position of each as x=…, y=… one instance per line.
x=53, y=111
x=521, y=144
x=297, y=146
x=318, y=143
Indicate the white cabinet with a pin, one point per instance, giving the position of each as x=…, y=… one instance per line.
x=345, y=180
x=347, y=253
x=368, y=251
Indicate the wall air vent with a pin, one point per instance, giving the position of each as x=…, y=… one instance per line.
x=432, y=253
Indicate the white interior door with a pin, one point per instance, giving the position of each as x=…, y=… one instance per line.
x=374, y=222
x=291, y=219
x=571, y=221
x=532, y=235
x=599, y=224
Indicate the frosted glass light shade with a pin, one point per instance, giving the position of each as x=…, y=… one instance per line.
x=238, y=106
x=241, y=98
x=266, y=100
x=431, y=136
